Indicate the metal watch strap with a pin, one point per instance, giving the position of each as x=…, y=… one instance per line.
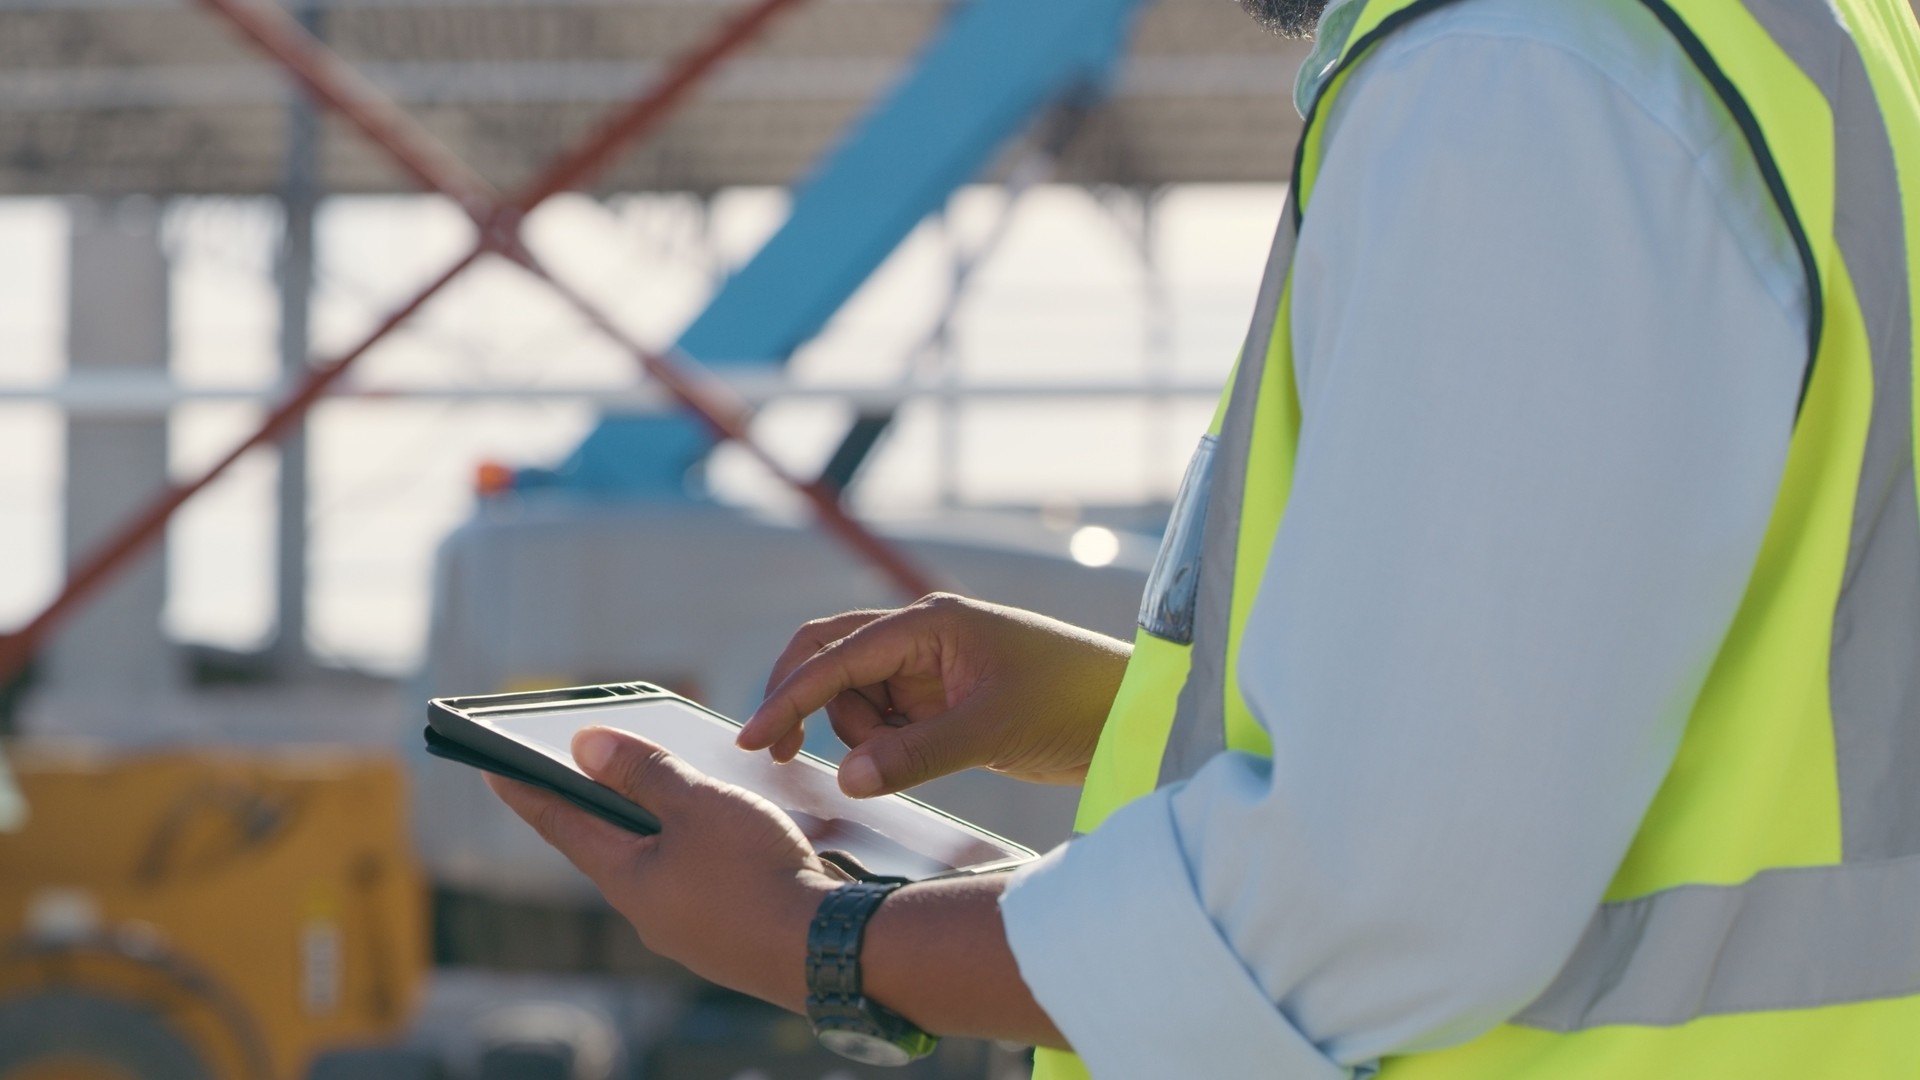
x=835, y=998
x=833, y=947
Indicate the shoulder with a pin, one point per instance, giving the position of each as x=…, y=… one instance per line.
x=1617, y=45
x=1510, y=74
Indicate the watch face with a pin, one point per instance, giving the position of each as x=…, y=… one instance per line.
x=864, y=1048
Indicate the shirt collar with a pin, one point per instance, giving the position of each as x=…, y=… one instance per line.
x=1329, y=41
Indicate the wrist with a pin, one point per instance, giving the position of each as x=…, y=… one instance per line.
x=782, y=955
x=845, y=1018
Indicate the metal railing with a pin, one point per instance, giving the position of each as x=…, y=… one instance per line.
x=132, y=396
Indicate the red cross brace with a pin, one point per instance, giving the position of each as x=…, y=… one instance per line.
x=335, y=84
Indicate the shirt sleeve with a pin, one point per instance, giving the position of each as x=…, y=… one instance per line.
x=1548, y=393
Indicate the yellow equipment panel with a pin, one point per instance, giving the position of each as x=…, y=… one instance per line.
x=238, y=909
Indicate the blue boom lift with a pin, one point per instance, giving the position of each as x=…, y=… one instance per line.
x=991, y=73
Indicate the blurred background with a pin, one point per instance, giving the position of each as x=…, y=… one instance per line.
x=979, y=268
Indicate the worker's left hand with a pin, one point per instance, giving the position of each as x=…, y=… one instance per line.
x=728, y=885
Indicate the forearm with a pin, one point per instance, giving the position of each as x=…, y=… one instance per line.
x=937, y=954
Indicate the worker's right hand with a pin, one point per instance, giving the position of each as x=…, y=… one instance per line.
x=943, y=685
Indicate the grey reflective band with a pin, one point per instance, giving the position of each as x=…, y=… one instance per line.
x=1199, y=719
x=1875, y=663
x=1787, y=939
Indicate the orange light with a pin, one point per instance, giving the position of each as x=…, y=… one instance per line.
x=491, y=478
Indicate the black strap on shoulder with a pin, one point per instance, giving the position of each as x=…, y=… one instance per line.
x=1354, y=52
x=1696, y=51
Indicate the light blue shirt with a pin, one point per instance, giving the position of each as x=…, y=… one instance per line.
x=1549, y=333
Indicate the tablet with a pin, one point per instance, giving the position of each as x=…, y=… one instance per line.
x=526, y=737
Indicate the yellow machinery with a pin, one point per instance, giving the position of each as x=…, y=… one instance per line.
x=204, y=914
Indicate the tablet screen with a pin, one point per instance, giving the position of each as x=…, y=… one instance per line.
x=890, y=835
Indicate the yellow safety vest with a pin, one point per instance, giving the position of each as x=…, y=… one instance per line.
x=1766, y=920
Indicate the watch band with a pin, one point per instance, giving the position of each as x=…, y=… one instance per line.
x=843, y=1018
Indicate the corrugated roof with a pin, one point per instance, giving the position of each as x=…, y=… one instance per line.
x=105, y=96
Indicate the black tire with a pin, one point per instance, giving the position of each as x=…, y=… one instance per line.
x=75, y=1024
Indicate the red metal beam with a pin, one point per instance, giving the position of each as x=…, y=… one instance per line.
x=99, y=566
x=334, y=83
x=728, y=419
x=623, y=128
x=337, y=85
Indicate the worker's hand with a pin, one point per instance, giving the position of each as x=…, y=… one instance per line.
x=944, y=685
x=728, y=885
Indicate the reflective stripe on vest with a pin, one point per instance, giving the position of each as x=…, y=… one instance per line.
x=1198, y=731
x=1807, y=935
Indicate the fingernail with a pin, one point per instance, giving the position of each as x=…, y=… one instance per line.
x=593, y=749
x=859, y=778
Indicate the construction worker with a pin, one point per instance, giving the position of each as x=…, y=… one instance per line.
x=1529, y=683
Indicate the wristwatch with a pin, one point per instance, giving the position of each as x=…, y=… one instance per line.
x=844, y=1020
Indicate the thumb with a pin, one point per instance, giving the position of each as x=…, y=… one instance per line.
x=899, y=758
x=640, y=770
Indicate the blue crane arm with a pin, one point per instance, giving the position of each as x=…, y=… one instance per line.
x=992, y=69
